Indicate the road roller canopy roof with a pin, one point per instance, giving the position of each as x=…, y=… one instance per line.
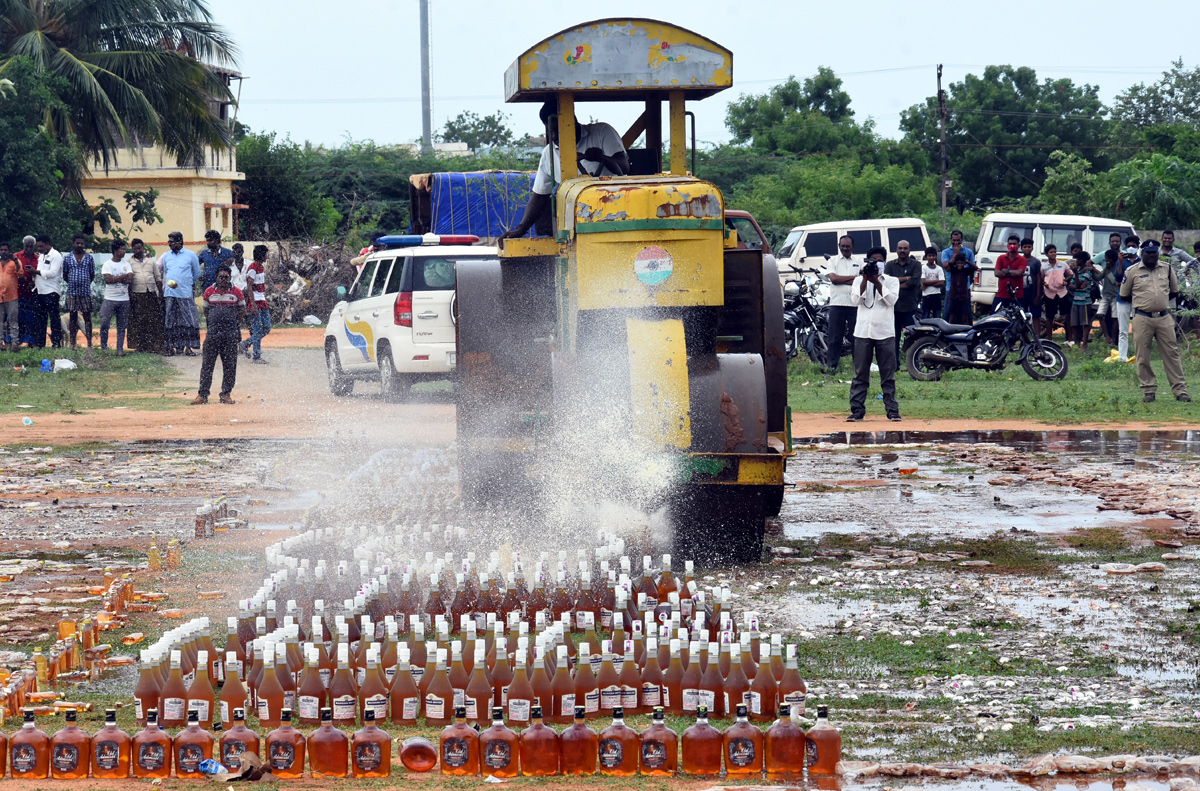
x=619, y=60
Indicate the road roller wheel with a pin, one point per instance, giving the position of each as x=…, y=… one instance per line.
x=717, y=524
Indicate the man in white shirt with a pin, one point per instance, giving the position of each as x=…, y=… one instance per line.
x=118, y=277
x=842, y=271
x=874, y=295
x=48, y=283
x=599, y=152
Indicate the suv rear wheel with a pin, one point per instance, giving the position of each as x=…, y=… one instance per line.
x=339, y=383
x=394, y=384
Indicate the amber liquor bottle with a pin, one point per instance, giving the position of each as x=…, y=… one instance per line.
x=174, y=695
x=30, y=751
x=200, y=694
x=111, y=750
x=439, y=696
x=520, y=692
x=145, y=694
x=285, y=749
x=764, y=690
x=311, y=695
x=659, y=747
x=823, y=745
x=343, y=696
x=743, y=744
x=539, y=748
x=499, y=748
x=152, y=750
x=619, y=747
x=459, y=746
x=737, y=686
x=405, y=698
x=236, y=740
x=371, y=749
x=328, y=748
x=702, y=746
x=192, y=746
x=478, y=695
x=70, y=751
x=233, y=693
x=587, y=690
x=784, y=747
x=792, y=689
x=579, y=746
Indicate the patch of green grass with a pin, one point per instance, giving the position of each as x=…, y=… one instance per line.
x=1098, y=539
x=101, y=380
x=1025, y=741
x=847, y=656
x=1092, y=391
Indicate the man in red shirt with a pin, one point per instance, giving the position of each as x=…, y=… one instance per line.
x=260, y=322
x=27, y=305
x=224, y=306
x=1010, y=275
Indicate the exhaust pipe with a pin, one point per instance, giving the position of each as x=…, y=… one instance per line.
x=943, y=357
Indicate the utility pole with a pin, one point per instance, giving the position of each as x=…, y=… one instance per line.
x=427, y=99
x=942, y=138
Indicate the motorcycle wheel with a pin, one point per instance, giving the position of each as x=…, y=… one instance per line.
x=816, y=348
x=919, y=369
x=789, y=343
x=1046, y=364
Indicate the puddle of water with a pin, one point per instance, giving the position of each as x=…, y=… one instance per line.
x=1160, y=674
x=286, y=513
x=1109, y=443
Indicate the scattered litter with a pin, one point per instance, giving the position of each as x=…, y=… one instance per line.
x=311, y=320
x=64, y=365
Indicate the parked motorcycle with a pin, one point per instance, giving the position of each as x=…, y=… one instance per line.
x=806, y=318
x=933, y=346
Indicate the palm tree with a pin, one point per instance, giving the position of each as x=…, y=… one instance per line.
x=129, y=70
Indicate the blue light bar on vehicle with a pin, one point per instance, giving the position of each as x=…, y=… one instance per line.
x=416, y=240
x=407, y=240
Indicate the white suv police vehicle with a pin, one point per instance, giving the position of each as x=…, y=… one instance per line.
x=397, y=323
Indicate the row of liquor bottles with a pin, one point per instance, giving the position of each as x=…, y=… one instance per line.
x=743, y=749
x=407, y=681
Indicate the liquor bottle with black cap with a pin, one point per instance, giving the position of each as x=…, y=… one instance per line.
x=30, y=750
x=285, y=749
x=619, y=747
x=579, y=746
x=111, y=750
x=823, y=745
x=460, y=746
x=328, y=748
x=70, y=750
x=702, y=747
x=499, y=748
x=784, y=747
x=539, y=748
x=743, y=747
x=192, y=746
x=152, y=753
x=371, y=749
x=660, y=747
x=237, y=740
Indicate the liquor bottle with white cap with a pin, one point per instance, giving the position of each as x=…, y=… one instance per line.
x=174, y=695
x=439, y=697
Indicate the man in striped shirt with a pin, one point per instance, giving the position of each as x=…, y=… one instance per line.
x=256, y=278
x=224, y=306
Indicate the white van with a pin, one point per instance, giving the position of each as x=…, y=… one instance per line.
x=1060, y=230
x=820, y=240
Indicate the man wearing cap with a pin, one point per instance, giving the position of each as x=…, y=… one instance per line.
x=1150, y=287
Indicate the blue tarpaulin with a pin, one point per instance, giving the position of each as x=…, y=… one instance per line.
x=485, y=204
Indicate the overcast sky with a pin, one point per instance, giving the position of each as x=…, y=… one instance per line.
x=323, y=72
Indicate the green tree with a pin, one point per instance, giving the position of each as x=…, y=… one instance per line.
x=1158, y=191
x=34, y=165
x=752, y=118
x=468, y=127
x=1174, y=99
x=279, y=190
x=134, y=69
x=1071, y=187
x=1003, y=126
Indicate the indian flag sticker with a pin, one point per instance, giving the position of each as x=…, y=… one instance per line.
x=653, y=265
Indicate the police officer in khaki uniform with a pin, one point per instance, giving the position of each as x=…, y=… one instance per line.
x=1151, y=286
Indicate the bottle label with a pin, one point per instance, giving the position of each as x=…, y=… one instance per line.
x=310, y=707
x=629, y=698
x=811, y=753
x=417, y=672
x=472, y=706
x=137, y=709
x=497, y=754
x=518, y=709
x=410, y=707
x=189, y=678
x=685, y=607
x=188, y=758
x=281, y=754
x=344, y=708
x=707, y=697
x=231, y=753
x=455, y=752
x=666, y=697
x=24, y=758
x=389, y=673
x=354, y=647
x=367, y=756
x=224, y=711
x=796, y=701
x=460, y=698
x=591, y=701
x=755, y=699
x=360, y=675
x=66, y=757
x=150, y=757
x=596, y=660
x=480, y=622
x=581, y=620
x=741, y=752
x=377, y=704
x=108, y=755
x=435, y=707
x=651, y=695
x=174, y=709
x=504, y=695
x=691, y=698
x=264, y=709
x=326, y=676
x=610, y=698
x=606, y=620
x=218, y=670
x=235, y=667
x=567, y=707
x=201, y=707
x=611, y=754
x=654, y=754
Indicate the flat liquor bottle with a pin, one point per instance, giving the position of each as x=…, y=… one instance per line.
x=579, y=746
x=111, y=750
x=702, y=747
x=70, y=751
x=460, y=746
x=823, y=745
x=328, y=748
x=499, y=748
x=619, y=747
x=192, y=745
x=743, y=747
x=784, y=747
x=236, y=740
x=30, y=751
x=152, y=753
x=371, y=749
x=539, y=748
x=660, y=747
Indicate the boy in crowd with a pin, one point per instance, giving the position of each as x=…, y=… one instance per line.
x=1082, y=281
x=933, y=280
x=958, y=296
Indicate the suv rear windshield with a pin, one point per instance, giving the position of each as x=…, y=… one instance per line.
x=998, y=243
x=430, y=273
